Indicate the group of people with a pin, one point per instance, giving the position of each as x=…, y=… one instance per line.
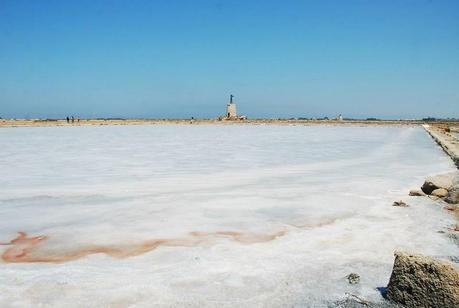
x=72, y=118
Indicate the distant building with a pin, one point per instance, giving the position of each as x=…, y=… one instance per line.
x=231, y=113
x=231, y=109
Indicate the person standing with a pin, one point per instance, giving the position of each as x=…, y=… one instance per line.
x=68, y=120
x=73, y=120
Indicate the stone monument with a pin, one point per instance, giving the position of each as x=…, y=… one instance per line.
x=231, y=109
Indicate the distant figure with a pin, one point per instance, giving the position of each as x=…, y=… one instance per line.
x=78, y=119
x=68, y=120
x=73, y=119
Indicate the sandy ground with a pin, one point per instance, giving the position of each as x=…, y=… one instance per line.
x=454, y=126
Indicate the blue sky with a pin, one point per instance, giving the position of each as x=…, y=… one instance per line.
x=177, y=59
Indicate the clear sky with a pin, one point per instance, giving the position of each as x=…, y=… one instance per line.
x=178, y=59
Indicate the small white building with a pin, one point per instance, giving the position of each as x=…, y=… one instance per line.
x=231, y=109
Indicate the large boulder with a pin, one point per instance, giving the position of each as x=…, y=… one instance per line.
x=420, y=281
x=453, y=195
x=440, y=192
x=445, y=181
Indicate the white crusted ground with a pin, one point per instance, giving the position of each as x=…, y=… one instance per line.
x=327, y=190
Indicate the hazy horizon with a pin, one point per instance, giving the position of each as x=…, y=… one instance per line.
x=179, y=59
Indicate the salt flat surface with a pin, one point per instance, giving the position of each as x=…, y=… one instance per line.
x=207, y=216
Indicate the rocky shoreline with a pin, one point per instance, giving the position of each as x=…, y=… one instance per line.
x=418, y=280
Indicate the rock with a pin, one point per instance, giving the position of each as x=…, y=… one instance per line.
x=453, y=195
x=440, y=181
x=416, y=192
x=420, y=281
x=440, y=192
x=353, y=278
x=400, y=203
x=428, y=187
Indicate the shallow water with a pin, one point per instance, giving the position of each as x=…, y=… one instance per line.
x=269, y=216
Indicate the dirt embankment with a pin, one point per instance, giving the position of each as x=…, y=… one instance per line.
x=444, y=135
x=86, y=122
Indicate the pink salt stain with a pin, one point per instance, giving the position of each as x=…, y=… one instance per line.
x=25, y=249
